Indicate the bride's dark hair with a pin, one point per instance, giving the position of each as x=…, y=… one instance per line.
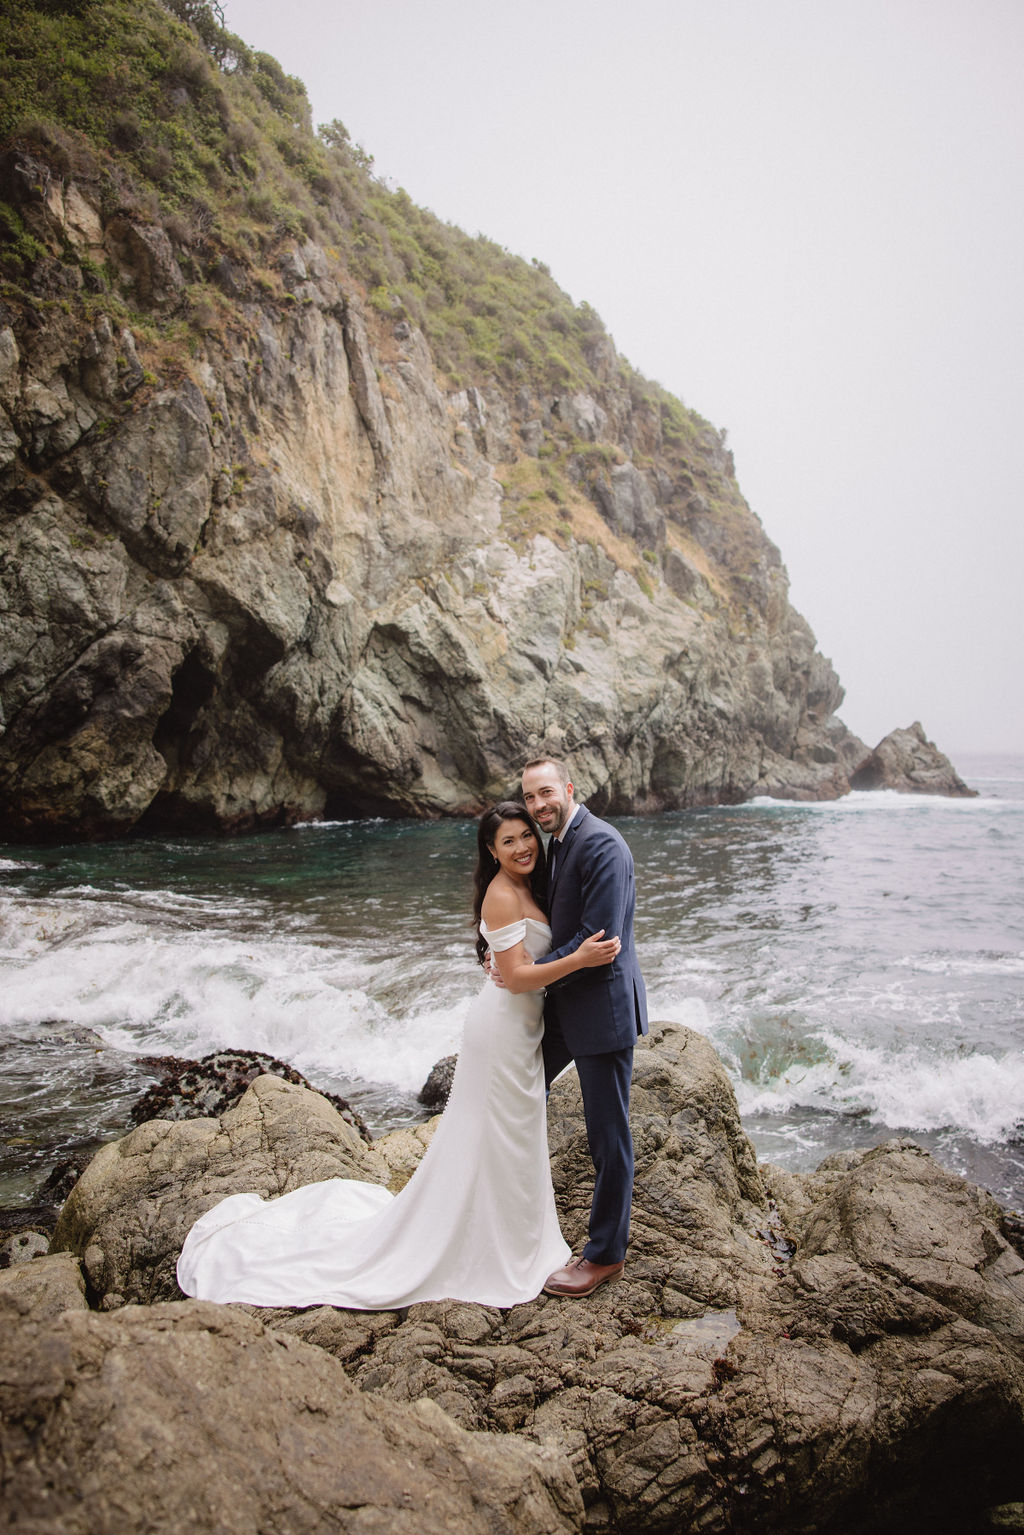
x=487, y=865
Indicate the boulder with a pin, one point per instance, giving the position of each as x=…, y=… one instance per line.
x=434, y=1092
x=22, y=1245
x=911, y=764
x=893, y=1336
x=196, y=1417
x=128, y=1214
x=204, y=1089
x=698, y=1202
x=402, y=1150
x=44, y=1288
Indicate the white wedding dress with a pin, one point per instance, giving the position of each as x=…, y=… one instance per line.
x=475, y=1222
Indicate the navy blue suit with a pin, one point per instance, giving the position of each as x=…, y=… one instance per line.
x=594, y=1016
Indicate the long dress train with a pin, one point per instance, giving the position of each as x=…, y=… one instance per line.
x=475, y=1222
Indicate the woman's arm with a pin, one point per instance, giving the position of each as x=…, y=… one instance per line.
x=517, y=969
x=519, y=972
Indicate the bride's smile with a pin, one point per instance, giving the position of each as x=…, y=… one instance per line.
x=515, y=849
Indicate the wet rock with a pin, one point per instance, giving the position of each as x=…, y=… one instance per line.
x=18, y=1222
x=210, y=1421
x=434, y=1092
x=206, y=1088
x=128, y=1214
x=62, y=1178
x=43, y=1289
x=911, y=764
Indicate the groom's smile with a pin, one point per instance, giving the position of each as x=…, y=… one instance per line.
x=547, y=799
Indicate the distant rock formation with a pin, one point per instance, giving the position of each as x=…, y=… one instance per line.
x=911, y=764
x=784, y=1353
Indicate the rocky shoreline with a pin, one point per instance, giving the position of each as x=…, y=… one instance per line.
x=841, y=1351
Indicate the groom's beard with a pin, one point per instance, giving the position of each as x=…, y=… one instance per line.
x=553, y=818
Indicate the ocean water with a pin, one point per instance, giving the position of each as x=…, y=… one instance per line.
x=858, y=965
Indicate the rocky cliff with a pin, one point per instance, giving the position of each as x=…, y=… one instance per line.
x=282, y=538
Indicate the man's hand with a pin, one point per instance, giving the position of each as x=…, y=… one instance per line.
x=493, y=971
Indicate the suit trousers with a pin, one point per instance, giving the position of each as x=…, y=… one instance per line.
x=604, y=1083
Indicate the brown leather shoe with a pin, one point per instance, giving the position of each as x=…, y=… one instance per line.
x=581, y=1277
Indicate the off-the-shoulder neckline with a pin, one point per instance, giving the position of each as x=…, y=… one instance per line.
x=535, y=920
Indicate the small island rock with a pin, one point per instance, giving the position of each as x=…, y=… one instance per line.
x=911, y=764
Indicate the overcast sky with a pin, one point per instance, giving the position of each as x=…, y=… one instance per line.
x=803, y=217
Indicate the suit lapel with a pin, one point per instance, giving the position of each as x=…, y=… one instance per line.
x=563, y=850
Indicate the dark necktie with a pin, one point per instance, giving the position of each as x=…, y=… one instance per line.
x=551, y=861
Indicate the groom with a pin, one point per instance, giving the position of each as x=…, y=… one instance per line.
x=592, y=1016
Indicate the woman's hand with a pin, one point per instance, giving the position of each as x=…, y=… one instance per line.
x=597, y=950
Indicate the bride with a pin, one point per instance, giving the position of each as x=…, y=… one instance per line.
x=477, y=1220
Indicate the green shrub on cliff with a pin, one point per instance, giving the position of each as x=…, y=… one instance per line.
x=163, y=112
x=210, y=132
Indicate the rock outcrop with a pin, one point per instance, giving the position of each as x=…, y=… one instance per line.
x=911, y=764
x=195, y=1417
x=204, y=1089
x=783, y=1353
x=128, y=1213
x=435, y=1090
x=270, y=591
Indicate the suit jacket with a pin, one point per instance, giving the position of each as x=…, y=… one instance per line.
x=604, y=1008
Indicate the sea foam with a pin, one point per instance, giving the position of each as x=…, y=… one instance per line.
x=911, y=1088
x=349, y=1011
